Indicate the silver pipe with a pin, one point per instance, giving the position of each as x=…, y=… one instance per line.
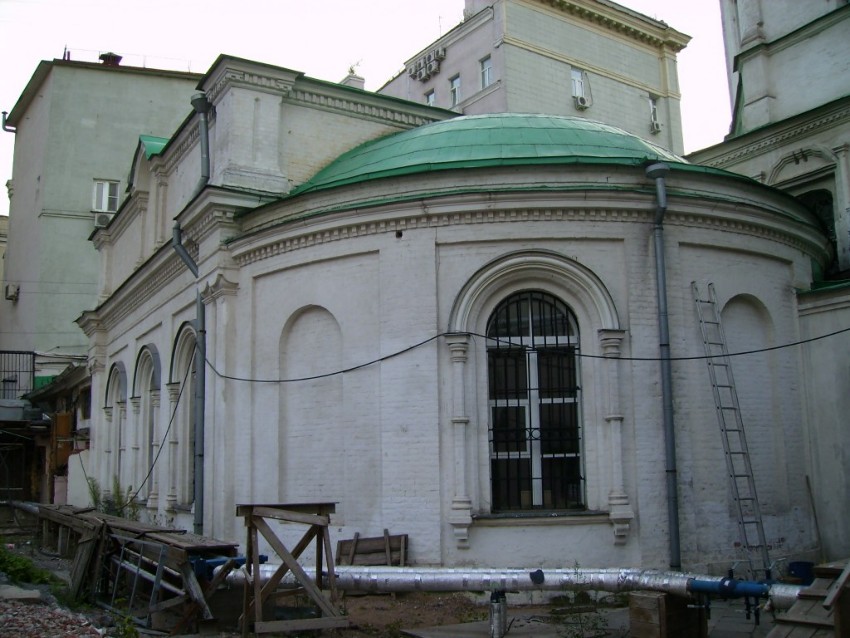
x=657, y=172
x=613, y=580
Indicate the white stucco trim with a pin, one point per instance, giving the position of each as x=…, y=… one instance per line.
x=490, y=284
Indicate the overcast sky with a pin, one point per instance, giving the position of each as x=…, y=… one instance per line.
x=322, y=39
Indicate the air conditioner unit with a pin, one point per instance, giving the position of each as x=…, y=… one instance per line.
x=101, y=220
x=655, y=126
x=582, y=102
x=440, y=53
x=12, y=292
x=433, y=67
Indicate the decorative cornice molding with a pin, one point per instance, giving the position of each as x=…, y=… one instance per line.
x=665, y=36
x=768, y=141
x=345, y=104
x=221, y=287
x=353, y=228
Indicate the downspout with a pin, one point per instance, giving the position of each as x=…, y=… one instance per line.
x=201, y=106
x=200, y=381
x=8, y=129
x=657, y=172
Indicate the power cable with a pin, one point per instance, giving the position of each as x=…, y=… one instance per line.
x=517, y=345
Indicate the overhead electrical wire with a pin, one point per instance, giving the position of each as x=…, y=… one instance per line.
x=509, y=342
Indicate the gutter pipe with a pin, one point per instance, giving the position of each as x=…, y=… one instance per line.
x=614, y=580
x=657, y=172
x=201, y=106
x=8, y=129
x=200, y=380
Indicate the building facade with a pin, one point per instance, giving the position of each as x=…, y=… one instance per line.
x=444, y=326
x=585, y=58
x=789, y=77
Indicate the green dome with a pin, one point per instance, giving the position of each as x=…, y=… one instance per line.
x=476, y=141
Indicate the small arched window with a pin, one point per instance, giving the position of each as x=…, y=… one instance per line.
x=535, y=423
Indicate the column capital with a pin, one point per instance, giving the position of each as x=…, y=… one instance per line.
x=611, y=342
x=458, y=343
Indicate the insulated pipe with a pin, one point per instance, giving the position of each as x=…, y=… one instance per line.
x=614, y=580
x=657, y=172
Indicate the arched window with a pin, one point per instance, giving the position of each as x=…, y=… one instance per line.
x=535, y=418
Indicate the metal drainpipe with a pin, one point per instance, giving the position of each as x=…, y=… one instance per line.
x=8, y=129
x=201, y=106
x=657, y=172
x=200, y=381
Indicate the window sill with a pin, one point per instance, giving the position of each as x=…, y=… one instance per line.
x=526, y=519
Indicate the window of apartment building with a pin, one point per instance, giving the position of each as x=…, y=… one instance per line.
x=486, y=72
x=580, y=88
x=454, y=91
x=431, y=97
x=105, y=196
x=534, y=430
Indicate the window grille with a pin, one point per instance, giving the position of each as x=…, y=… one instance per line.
x=535, y=430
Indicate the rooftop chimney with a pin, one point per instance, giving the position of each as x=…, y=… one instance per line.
x=110, y=59
x=352, y=79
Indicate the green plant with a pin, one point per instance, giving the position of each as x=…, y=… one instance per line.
x=581, y=615
x=20, y=569
x=119, y=503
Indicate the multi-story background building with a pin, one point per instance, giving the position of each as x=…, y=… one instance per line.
x=593, y=59
x=76, y=125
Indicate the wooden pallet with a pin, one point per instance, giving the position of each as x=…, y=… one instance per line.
x=379, y=550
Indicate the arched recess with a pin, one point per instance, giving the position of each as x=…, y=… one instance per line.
x=115, y=438
x=146, y=392
x=762, y=395
x=311, y=435
x=596, y=331
x=182, y=376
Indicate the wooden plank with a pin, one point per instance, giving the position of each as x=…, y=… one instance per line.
x=326, y=538
x=291, y=516
x=322, y=509
x=82, y=561
x=303, y=624
x=387, y=551
x=836, y=587
x=193, y=587
x=310, y=588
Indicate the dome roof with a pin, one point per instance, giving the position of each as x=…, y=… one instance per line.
x=476, y=141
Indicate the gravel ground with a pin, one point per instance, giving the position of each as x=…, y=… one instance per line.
x=39, y=620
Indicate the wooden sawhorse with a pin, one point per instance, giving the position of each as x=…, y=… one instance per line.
x=317, y=517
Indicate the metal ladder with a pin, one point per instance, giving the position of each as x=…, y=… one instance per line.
x=738, y=465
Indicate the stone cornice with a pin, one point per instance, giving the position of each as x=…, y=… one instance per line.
x=636, y=27
x=770, y=138
x=350, y=227
x=331, y=101
x=294, y=87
